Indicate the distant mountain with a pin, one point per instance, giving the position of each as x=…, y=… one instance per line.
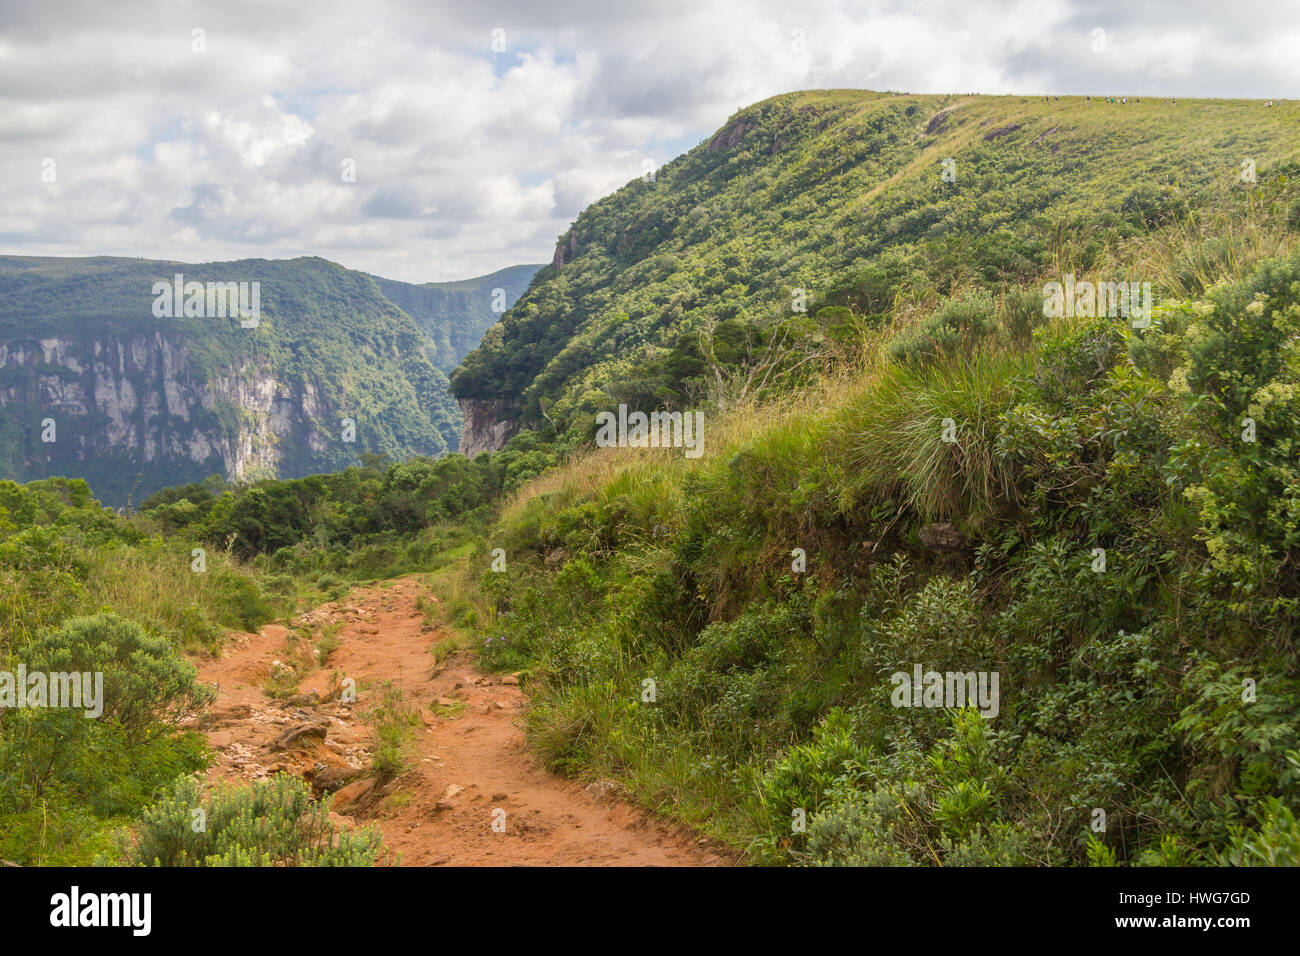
x=454, y=315
x=856, y=198
x=107, y=374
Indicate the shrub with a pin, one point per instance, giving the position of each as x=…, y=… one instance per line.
x=804, y=776
x=957, y=327
x=145, y=681
x=1020, y=312
x=1275, y=843
x=270, y=823
x=858, y=831
x=115, y=761
x=393, y=722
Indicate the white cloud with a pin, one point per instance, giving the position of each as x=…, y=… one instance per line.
x=468, y=160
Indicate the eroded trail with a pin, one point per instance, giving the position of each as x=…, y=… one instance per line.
x=470, y=758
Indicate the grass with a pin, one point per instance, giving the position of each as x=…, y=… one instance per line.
x=150, y=582
x=926, y=436
x=297, y=657
x=1219, y=241
x=399, y=800
x=462, y=607
x=675, y=546
x=281, y=683
x=393, y=723
x=327, y=643
x=450, y=711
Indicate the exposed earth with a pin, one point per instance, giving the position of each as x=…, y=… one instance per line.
x=469, y=762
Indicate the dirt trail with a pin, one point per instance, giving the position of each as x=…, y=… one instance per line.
x=471, y=758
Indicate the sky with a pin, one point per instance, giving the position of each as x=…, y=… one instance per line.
x=436, y=140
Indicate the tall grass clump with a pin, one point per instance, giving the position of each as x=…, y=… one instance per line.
x=927, y=435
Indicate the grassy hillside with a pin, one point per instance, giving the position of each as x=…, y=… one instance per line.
x=922, y=470
x=841, y=193
x=1113, y=531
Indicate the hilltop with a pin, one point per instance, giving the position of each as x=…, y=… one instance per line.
x=841, y=194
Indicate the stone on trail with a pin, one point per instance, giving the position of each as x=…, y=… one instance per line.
x=298, y=735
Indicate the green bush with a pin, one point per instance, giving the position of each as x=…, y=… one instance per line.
x=393, y=722
x=146, y=682
x=1275, y=843
x=957, y=327
x=1019, y=313
x=113, y=762
x=270, y=823
x=805, y=775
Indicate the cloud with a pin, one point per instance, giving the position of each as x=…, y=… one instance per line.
x=219, y=130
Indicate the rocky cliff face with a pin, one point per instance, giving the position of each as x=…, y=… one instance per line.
x=489, y=424
x=135, y=406
x=565, y=250
x=98, y=382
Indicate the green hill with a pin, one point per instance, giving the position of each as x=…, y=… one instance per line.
x=138, y=402
x=922, y=472
x=842, y=193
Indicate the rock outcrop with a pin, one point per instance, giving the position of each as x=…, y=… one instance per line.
x=488, y=425
x=138, y=400
x=565, y=250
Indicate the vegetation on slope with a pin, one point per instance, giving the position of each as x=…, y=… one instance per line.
x=1115, y=532
x=333, y=341
x=842, y=194
x=83, y=590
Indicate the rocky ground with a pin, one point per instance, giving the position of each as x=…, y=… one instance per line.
x=472, y=794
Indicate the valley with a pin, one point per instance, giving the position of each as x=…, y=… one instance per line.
x=890, y=480
x=153, y=376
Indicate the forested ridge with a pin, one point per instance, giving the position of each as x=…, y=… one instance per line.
x=140, y=401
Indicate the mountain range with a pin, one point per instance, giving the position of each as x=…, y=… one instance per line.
x=100, y=380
